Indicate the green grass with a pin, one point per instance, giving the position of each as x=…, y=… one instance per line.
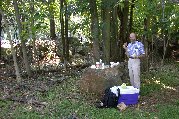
x=65, y=100
x=167, y=112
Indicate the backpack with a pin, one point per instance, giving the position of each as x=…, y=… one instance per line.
x=110, y=99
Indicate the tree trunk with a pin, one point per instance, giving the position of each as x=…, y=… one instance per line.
x=114, y=54
x=145, y=63
x=66, y=31
x=106, y=31
x=52, y=27
x=62, y=31
x=0, y=32
x=17, y=71
x=165, y=45
x=131, y=16
x=25, y=58
x=52, y=20
x=123, y=16
x=94, y=29
x=33, y=30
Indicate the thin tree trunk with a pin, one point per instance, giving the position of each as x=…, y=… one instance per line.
x=52, y=20
x=17, y=71
x=0, y=33
x=94, y=29
x=145, y=66
x=66, y=32
x=52, y=27
x=165, y=46
x=62, y=32
x=0, y=27
x=32, y=27
x=131, y=16
x=25, y=58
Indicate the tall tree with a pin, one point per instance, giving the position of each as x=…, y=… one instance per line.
x=123, y=13
x=145, y=39
x=114, y=49
x=94, y=29
x=106, y=17
x=0, y=27
x=32, y=28
x=66, y=30
x=131, y=15
x=24, y=51
x=0, y=33
x=52, y=19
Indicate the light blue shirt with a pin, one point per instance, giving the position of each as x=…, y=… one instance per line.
x=135, y=49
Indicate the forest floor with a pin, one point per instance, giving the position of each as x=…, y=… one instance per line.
x=57, y=95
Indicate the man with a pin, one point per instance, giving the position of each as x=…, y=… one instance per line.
x=134, y=51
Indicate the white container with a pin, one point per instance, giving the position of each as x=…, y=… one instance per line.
x=97, y=65
x=128, y=90
x=111, y=64
x=93, y=67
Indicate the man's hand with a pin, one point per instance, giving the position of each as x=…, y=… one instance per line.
x=125, y=46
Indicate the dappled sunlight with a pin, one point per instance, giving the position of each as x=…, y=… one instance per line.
x=168, y=87
x=163, y=85
x=77, y=61
x=50, y=60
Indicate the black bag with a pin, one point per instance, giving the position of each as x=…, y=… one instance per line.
x=109, y=100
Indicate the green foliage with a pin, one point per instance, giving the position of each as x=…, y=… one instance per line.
x=5, y=106
x=160, y=17
x=177, y=103
x=143, y=9
x=167, y=112
x=156, y=81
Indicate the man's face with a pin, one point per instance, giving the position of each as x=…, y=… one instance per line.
x=132, y=37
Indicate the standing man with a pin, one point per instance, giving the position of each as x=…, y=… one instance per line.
x=134, y=51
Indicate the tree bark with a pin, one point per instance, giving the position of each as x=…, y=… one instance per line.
x=145, y=64
x=0, y=33
x=0, y=27
x=131, y=16
x=94, y=29
x=123, y=16
x=66, y=31
x=25, y=58
x=106, y=30
x=33, y=30
x=52, y=20
x=114, y=53
x=63, y=32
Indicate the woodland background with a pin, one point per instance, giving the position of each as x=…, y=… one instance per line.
x=47, y=43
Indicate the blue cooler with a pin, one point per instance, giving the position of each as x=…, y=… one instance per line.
x=128, y=95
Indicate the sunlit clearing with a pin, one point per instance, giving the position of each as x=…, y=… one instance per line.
x=163, y=85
